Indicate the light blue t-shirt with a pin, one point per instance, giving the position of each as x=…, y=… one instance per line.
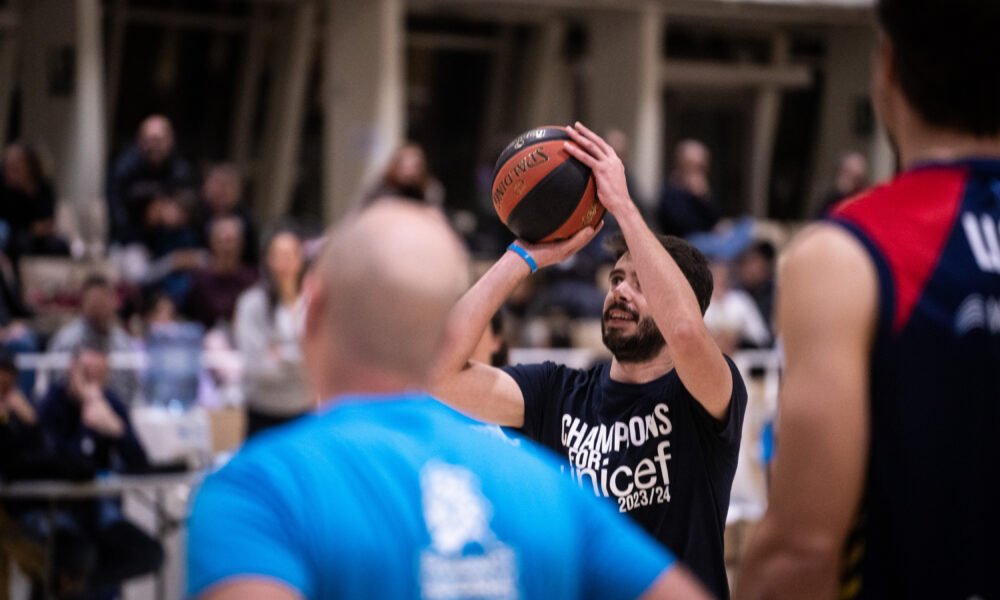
x=401, y=497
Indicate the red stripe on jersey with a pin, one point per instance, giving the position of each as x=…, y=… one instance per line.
x=909, y=220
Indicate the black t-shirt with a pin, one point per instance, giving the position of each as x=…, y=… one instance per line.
x=651, y=448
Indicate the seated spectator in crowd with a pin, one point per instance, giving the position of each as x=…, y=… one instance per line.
x=159, y=310
x=174, y=248
x=83, y=417
x=755, y=276
x=221, y=196
x=149, y=169
x=19, y=440
x=852, y=177
x=686, y=205
x=18, y=420
x=97, y=327
x=84, y=421
x=268, y=328
x=732, y=317
x=28, y=205
x=216, y=287
x=173, y=348
x=409, y=176
x=168, y=226
x=16, y=336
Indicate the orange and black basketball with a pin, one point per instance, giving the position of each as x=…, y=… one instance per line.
x=540, y=192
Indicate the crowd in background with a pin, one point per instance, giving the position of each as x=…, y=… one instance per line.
x=188, y=259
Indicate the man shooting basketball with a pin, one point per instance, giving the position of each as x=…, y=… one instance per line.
x=657, y=431
x=885, y=480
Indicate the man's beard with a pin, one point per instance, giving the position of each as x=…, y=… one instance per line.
x=641, y=346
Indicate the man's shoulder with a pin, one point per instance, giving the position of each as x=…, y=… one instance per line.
x=563, y=370
x=916, y=196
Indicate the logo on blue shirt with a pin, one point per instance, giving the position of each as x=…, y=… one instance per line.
x=465, y=559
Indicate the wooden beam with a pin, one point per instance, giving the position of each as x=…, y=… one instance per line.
x=713, y=74
x=451, y=41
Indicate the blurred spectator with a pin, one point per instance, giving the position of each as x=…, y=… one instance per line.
x=18, y=421
x=852, y=177
x=159, y=310
x=268, y=326
x=84, y=418
x=168, y=226
x=173, y=347
x=732, y=317
x=221, y=196
x=174, y=248
x=755, y=276
x=409, y=176
x=215, y=288
x=222, y=379
x=686, y=205
x=148, y=170
x=28, y=205
x=84, y=421
x=16, y=336
x=97, y=327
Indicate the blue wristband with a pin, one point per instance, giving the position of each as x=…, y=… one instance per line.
x=524, y=254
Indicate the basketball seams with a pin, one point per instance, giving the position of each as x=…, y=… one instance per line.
x=586, y=214
x=536, y=136
x=550, y=204
x=507, y=195
x=540, y=191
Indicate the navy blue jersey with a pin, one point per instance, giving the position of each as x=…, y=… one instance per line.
x=929, y=522
x=651, y=448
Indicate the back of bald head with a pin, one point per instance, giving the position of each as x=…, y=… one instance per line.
x=392, y=274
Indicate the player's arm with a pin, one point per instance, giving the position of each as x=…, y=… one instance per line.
x=479, y=390
x=827, y=309
x=251, y=589
x=674, y=307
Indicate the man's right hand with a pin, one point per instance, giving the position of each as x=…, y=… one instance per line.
x=96, y=414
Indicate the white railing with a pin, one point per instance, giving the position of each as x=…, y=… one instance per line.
x=48, y=364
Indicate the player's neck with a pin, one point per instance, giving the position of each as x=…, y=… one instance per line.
x=921, y=143
x=362, y=380
x=642, y=372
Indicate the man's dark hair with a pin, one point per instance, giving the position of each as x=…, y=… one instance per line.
x=690, y=260
x=946, y=60
x=95, y=280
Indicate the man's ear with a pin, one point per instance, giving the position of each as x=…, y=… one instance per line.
x=314, y=294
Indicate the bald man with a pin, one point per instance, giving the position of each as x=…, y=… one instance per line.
x=149, y=169
x=386, y=493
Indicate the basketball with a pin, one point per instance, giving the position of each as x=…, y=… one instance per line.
x=540, y=192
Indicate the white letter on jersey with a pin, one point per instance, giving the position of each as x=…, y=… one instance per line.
x=982, y=236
